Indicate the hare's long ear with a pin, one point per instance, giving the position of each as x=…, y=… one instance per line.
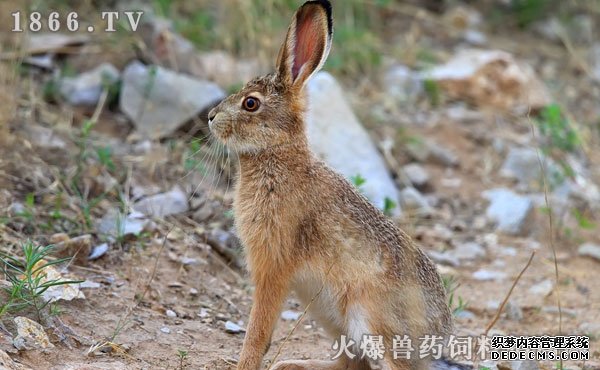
x=307, y=43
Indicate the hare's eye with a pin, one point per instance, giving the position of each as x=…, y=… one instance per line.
x=251, y=104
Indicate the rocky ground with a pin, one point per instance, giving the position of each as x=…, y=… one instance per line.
x=479, y=138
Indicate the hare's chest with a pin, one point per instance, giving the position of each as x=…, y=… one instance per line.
x=261, y=219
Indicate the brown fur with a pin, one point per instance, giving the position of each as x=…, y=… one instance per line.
x=304, y=227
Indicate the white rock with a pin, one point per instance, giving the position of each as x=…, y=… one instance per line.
x=289, y=315
x=411, y=198
x=543, y=288
x=510, y=211
x=483, y=275
x=417, y=175
x=589, y=250
x=402, y=83
x=164, y=204
x=336, y=135
x=233, y=328
x=523, y=165
x=595, y=61
x=165, y=330
x=491, y=78
x=86, y=88
x=98, y=251
x=469, y=250
x=159, y=101
x=114, y=224
x=170, y=313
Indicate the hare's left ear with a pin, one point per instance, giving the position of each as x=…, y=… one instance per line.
x=307, y=43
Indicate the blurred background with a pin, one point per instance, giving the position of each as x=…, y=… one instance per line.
x=474, y=124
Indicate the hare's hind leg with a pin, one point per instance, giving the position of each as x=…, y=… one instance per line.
x=340, y=364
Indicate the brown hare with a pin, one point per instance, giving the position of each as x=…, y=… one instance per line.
x=306, y=228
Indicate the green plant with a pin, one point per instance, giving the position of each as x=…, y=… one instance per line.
x=528, y=11
x=182, y=356
x=558, y=130
x=432, y=89
x=28, y=280
x=191, y=161
x=456, y=303
x=358, y=180
x=388, y=206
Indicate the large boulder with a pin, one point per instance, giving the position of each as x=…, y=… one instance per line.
x=336, y=135
x=159, y=101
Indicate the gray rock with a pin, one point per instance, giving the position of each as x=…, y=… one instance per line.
x=417, y=175
x=510, y=211
x=444, y=258
x=491, y=78
x=484, y=275
x=233, y=328
x=289, y=315
x=159, y=101
x=431, y=151
x=86, y=88
x=469, y=250
x=411, y=198
x=595, y=61
x=7, y=363
x=523, y=165
x=98, y=251
x=402, y=83
x=30, y=335
x=513, y=311
x=465, y=315
x=336, y=135
x=164, y=204
x=165, y=330
x=589, y=250
x=114, y=224
x=543, y=288
x=523, y=365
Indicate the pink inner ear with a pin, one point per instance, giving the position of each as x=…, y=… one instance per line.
x=307, y=39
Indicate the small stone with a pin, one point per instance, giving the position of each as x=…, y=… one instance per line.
x=402, y=83
x=589, y=250
x=443, y=258
x=417, y=175
x=465, y=315
x=98, y=251
x=543, y=288
x=193, y=291
x=86, y=88
x=510, y=211
x=484, y=275
x=469, y=250
x=164, y=204
x=30, y=335
x=290, y=315
x=513, y=311
x=170, y=313
x=411, y=198
x=165, y=330
x=233, y=328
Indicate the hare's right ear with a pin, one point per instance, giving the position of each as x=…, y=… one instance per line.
x=307, y=43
